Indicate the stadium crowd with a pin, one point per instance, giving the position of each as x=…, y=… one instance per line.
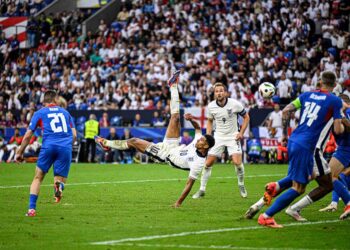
x=15, y=8
x=125, y=65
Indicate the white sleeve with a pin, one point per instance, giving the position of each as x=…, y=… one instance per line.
x=209, y=114
x=238, y=108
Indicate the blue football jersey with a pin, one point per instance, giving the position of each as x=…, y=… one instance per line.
x=317, y=108
x=343, y=140
x=56, y=124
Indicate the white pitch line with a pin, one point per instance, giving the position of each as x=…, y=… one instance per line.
x=138, y=181
x=202, y=247
x=220, y=230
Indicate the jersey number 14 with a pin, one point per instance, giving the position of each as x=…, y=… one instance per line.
x=58, y=123
x=310, y=113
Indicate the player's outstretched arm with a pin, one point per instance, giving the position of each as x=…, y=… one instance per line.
x=24, y=144
x=286, y=112
x=185, y=192
x=245, y=124
x=195, y=124
x=74, y=132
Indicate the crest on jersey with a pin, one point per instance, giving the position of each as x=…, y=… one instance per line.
x=229, y=112
x=190, y=159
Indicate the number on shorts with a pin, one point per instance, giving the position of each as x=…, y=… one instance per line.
x=154, y=150
x=58, y=123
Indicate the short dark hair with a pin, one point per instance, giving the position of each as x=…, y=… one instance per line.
x=328, y=78
x=50, y=96
x=210, y=140
x=220, y=84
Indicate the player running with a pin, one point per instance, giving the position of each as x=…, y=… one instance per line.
x=339, y=161
x=317, y=108
x=58, y=136
x=321, y=173
x=191, y=157
x=227, y=134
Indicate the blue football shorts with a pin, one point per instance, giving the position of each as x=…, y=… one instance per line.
x=59, y=157
x=342, y=154
x=301, y=161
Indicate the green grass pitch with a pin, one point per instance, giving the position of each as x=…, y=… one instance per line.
x=131, y=205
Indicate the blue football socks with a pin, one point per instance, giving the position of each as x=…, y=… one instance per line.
x=282, y=202
x=342, y=191
x=32, y=201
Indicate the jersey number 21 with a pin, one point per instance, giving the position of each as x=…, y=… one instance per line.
x=58, y=123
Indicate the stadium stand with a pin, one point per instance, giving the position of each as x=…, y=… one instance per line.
x=125, y=65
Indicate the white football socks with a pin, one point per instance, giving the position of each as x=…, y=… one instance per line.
x=206, y=173
x=174, y=100
x=301, y=204
x=240, y=173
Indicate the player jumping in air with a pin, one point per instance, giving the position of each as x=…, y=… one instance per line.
x=191, y=157
x=317, y=108
x=58, y=136
x=228, y=134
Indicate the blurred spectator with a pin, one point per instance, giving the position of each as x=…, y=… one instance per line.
x=282, y=152
x=113, y=155
x=254, y=148
x=238, y=43
x=275, y=118
x=284, y=89
x=156, y=120
x=104, y=122
x=347, y=88
x=137, y=121
x=186, y=139
x=127, y=155
x=91, y=130
x=13, y=144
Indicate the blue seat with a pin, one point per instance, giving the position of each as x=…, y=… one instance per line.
x=116, y=121
x=81, y=120
x=71, y=106
x=80, y=128
x=83, y=106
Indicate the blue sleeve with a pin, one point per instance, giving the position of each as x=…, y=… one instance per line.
x=347, y=113
x=35, y=121
x=71, y=122
x=337, y=108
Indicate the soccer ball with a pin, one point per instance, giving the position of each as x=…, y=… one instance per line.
x=267, y=90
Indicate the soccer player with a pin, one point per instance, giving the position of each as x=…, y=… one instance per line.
x=227, y=134
x=58, y=136
x=191, y=157
x=317, y=108
x=344, y=177
x=321, y=173
x=339, y=161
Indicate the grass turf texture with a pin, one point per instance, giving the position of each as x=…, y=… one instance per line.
x=128, y=205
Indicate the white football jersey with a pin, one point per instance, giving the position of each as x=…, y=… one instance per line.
x=226, y=117
x=188, y=154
